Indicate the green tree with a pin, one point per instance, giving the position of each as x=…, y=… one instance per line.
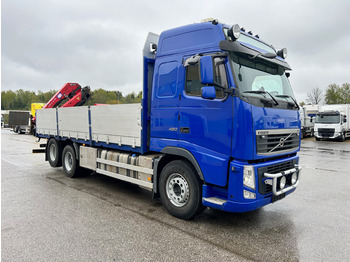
x=336, y=94
x=21, y=100
x=7, y=100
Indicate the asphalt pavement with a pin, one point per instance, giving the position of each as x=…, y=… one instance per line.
x=49, y=217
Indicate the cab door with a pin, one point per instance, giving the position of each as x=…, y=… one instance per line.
x=206, y=125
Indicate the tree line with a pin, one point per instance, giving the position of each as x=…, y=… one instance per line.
x=335, y=94
x=22, y=100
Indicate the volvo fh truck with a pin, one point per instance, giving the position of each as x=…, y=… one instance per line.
x=218, y=125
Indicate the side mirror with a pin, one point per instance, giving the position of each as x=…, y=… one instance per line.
x=345, y=119
x=311, y=119
x=206, y=70
x=208, y=92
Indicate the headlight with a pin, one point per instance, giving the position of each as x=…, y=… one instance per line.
x=282, y=182
x=294, y=178
x=249, y=177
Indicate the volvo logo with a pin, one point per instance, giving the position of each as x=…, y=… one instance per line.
x=281, y=143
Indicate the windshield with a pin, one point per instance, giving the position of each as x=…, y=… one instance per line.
x=255, y=78
x=327, y=119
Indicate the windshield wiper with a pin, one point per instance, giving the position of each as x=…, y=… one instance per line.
x=286, y=96
x=262, y=93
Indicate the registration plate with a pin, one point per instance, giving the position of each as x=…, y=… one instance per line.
x=275, y=198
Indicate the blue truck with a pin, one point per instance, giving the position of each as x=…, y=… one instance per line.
x=218, y=125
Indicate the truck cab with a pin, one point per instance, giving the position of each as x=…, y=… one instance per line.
x=331, y=124
x=228, y=103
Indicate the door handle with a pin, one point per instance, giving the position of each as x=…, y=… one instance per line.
x=185, y=130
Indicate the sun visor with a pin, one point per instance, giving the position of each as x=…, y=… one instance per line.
x=238, y=48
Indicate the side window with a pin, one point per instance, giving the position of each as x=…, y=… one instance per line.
x=193, y=84
x=167, y=80
x=220, y=76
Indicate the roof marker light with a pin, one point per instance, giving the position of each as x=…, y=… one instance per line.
x=250, y=32
x=215, y=22
x=242, y=29
x=257, y=36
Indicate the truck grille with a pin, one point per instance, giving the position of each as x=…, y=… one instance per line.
x=270, y=142
x=274, y=169
x=326, y=132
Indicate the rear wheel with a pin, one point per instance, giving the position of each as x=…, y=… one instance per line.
x=180, y=189
x=70, y=164
x=54, y=153
x=317, y=139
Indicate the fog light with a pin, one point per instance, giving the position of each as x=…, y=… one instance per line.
x=282, y=182
x=248, y=194
x=294, y=178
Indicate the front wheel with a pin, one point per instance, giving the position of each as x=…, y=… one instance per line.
x=181, y=189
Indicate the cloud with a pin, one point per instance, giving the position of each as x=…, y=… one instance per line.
x=99, y=43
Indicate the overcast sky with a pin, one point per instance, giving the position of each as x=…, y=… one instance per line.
x=99, y=43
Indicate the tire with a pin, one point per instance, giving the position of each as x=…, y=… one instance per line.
x=342, y=138
x=317, y=139
x=70, y=164
x=54, y=153
x=181, y=189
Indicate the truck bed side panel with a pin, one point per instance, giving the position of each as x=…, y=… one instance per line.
x=46, y=121
x=113, y=125
x=117, y=124
x=73, y=122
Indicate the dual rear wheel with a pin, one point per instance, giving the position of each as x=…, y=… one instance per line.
x=66, y=158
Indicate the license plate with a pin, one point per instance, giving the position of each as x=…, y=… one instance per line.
x=276, y=198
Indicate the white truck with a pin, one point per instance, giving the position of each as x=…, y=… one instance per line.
x=307, y=119
x=332, y=122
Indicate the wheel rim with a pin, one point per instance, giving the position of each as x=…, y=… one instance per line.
x=68, y=161
x=53, y=152
x=177, y=190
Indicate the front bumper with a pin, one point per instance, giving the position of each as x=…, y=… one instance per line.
x=272, y=179
x=328, y=135
x=266, y=190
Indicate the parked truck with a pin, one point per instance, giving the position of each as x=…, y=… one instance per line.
x=218, y=125
x=20, y=121
x=332, y=122
x=307, y=119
